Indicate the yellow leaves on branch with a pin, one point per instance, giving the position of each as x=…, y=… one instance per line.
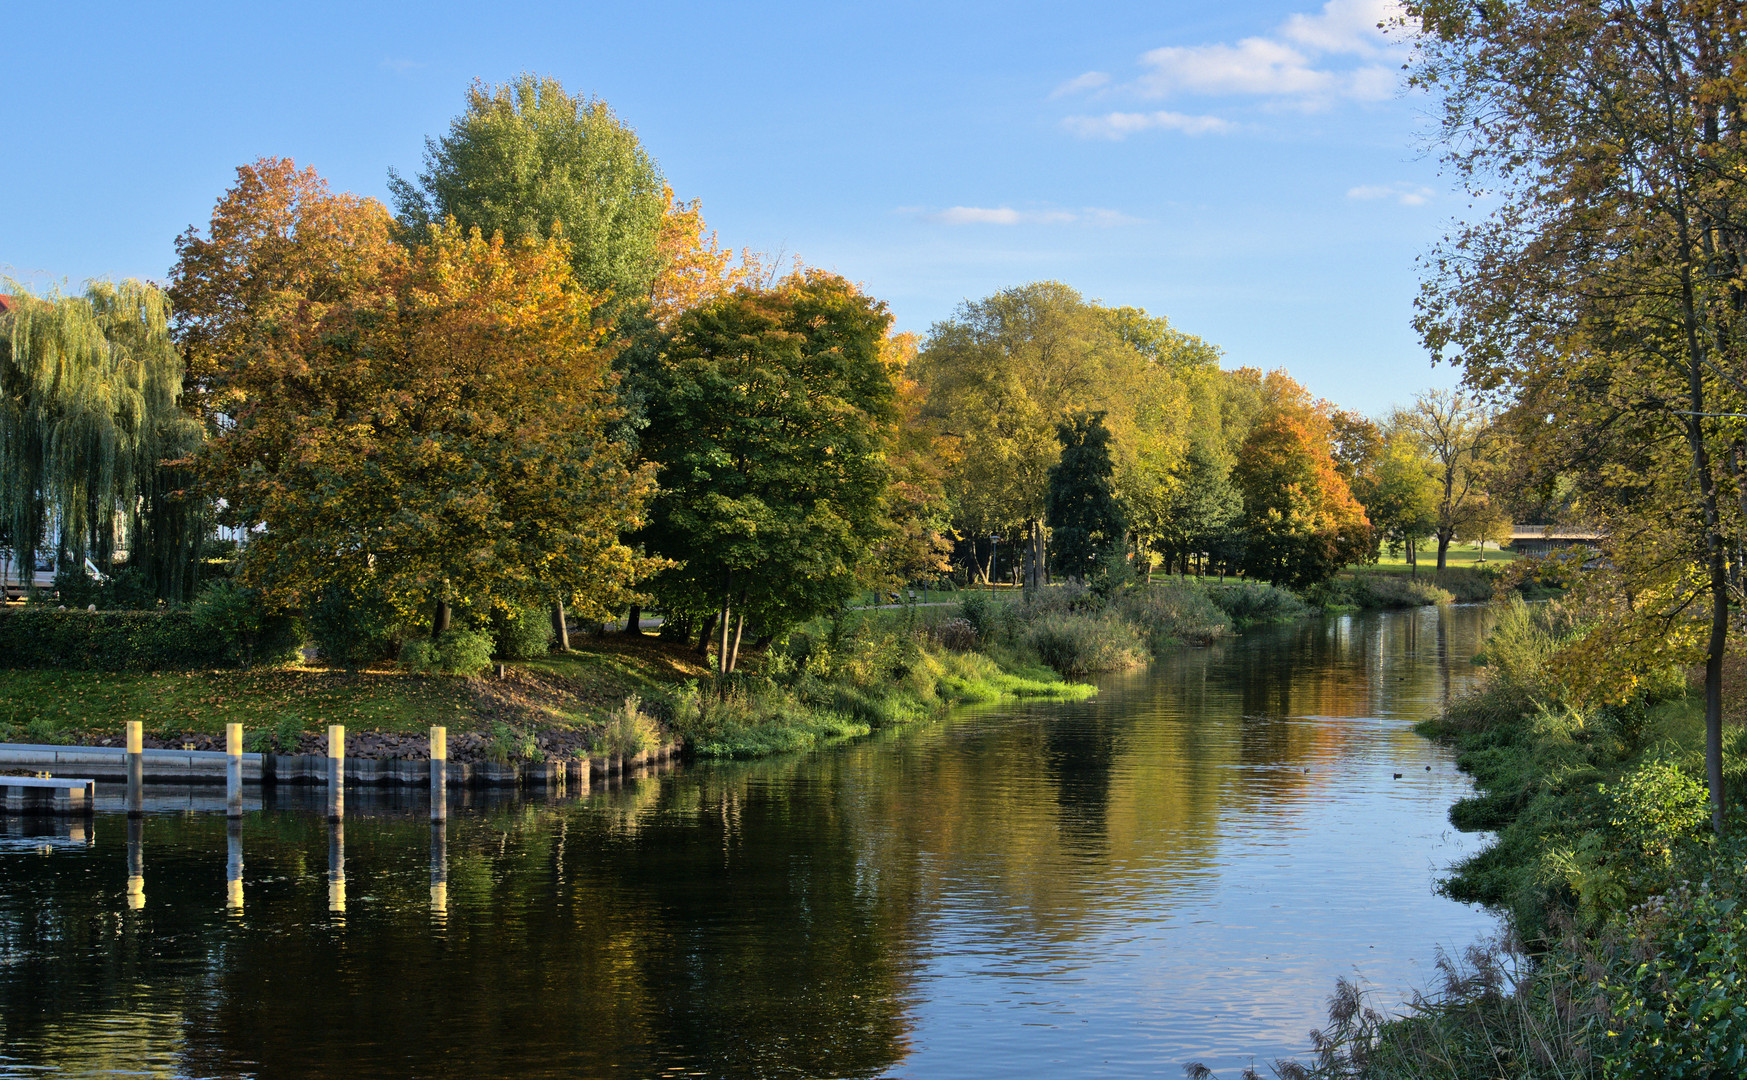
x=437, y=416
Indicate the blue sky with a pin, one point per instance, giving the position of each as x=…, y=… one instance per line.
x=1250, y=170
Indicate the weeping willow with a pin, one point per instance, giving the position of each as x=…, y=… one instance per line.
x=89, y=417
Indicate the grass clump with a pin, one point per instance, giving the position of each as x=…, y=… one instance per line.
x=630, y=730
x=1076, y=644
x=1382, y=591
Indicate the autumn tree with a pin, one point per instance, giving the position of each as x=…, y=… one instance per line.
x=434, y=421
x=91, y=423
x=1085, y=521
x=1301, y=520
x=917, y=536
x=1603, y=295
x=528, y=159
x=768, y=417
x=1005, y=370
x=1455, y=432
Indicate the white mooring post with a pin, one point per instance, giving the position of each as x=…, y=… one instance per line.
x=233, y=770
x=440, y=870
x=336, y=772
x=136, y=768
x=136, y=864
x=233, y=866
x=337, y=867
x=439, y=773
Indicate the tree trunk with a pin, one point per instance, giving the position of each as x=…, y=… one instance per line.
x=1412, y=557
x=560, y=626
x=722, y=646
x=440, y=623
x=739, y=628
x=1444, y=539
x=634, y=620
x=704, y=634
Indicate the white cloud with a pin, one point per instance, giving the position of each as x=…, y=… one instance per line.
x=1405, y=194
x=1091, y=80
x=1120, y=125
x=1309, y=60
x=1006, y=215
x=1343, y=26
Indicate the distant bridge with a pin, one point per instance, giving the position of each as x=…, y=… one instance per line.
x=1539, y=540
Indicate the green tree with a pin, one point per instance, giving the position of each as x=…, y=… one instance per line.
x=1456, y=433
x=1204, y=514
x=1085, y=521
x=527, y=159
x=1603, y=294
x=1400, y=495
x=91, y=424
x=768, y=420
x=1005, y=370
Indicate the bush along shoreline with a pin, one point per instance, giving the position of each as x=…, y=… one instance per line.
x=1625, y=950
x=189, y=669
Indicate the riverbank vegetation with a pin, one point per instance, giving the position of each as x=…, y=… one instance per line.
x=1597, y=303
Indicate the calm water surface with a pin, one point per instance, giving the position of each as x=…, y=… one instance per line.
x=1176, y=869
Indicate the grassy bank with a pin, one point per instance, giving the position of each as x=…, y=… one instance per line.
x=881, y=672
x=1627, y=954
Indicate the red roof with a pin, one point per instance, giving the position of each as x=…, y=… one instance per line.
x=6, y=303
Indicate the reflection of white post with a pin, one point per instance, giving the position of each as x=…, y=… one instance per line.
x=439, y=869
x=337, y=867
x=233, y=866
x=136, y=864
x=233, y=770
x=336, y=772
x=136, y=768
x=439, y=773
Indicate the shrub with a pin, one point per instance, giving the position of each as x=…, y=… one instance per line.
x=1675, y=990
x=1388, y=591
x=956, y=635
x=1469, y=584
x=126, y=590
x=41, y=637
x=630, y=730
x=1248, y=603
x=523, y=634
x=454, y=652
x=1170, y=614
x=982, y=612
x=235, y=617
x=509, y=743
x=420, y=656
x=1657, y=805
x=1079, y=644
x=354, y=626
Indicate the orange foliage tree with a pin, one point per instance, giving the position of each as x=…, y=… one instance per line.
x=1301, y=519
x=432, y=423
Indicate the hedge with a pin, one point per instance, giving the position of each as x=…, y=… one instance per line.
x=36, y=637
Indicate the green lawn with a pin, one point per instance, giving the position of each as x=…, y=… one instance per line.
x=560, y=691
x=1462, y=555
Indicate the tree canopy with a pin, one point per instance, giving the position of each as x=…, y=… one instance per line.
x=1602, y=295
x=90, y=419
x=528, y=159
x=1085, y=521
x=435, y=419
x=768, y=415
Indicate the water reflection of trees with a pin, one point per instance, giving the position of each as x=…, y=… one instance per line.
x=734, y=920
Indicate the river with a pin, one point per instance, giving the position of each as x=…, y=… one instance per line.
x=1176, y=869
